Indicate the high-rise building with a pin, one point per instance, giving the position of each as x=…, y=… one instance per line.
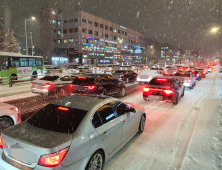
x=85, y=38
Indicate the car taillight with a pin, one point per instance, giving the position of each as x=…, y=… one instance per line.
x=204, y=72
x=168, y=92
x=111, y=75
x=54, y=159
x=63, y=108
x=198, y=75
x=46, y=85
x=145, y=89
x=91, y=87
x=122, y=75
x=71, y=85
x=1, y=142
x=32, y=84
x=189, y=80
x=174, y=72
x=161, y=80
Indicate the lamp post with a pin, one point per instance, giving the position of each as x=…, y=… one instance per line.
x=26, y=41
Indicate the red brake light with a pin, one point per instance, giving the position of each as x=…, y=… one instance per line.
x=168, y=91
x=198, y=75
x=189, y=80
x=204, y=72
x=54, y=159
x=46, y=85
x=1, y=142
x=174, y=72
x=63, y=108
x=81, y=77
x=122, y=75
x=145, y=89
x=32, y=84
x=161, y=79
x=91, y=87
x=71, y=85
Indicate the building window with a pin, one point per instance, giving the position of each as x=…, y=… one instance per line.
x=129, y=41
x=84, y=20
x=111, y=28
x=90, y=31
x=119, y=31
x=115, y=45
x=110, y=37
x=101, y=34
x=59, y=22
x=134, y=42
x=96, y=41
x=96, y=33
x=59, y=41
x=70, y=30
x=96, y=24
x=118, y=38
x=70, y=20
x=101, y=43
x=106, y=44
x=115, y=37
x=71, y=40
x=53, y=12
x=65, y=21
x=101, y=25
x=75, y=40
x=65, y=41
x=75, y=30
x=106, y=27
x=54, y=40
x=114, y=30
x=65, y=31
x=106, y=35
x=54, y=31
x=84, y=30
x=125, y=33
x=59, y=31
x=125, y=40
x=76, y=20
x=90, y=22
x=54, y=21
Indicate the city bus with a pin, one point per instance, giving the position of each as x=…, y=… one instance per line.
x=18, y=65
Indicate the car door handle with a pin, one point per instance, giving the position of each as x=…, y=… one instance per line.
x=105, y=133
x=124, y=122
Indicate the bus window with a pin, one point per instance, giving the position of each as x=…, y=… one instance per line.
x=14, y=62
x=5, y=63
x=38, y=62
x=32, y=62
x=24, y=62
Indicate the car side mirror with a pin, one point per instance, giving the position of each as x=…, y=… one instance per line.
x=131, y=110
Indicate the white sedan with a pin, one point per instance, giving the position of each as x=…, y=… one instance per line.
x=9, y=115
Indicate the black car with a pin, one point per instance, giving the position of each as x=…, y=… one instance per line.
x=99, y=84
x=202, y=71
x=164, y=88
x=125, y=75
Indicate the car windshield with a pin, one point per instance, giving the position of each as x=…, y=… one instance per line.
x=57, y=118
x=49, y=78
x=84, y=81
x=161, y=82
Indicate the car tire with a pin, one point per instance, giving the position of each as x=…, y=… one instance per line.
x=175, y=100
x=142, y=124
x=5, y=122
x=122, y=92
x=60, y=93
x=191, y=87
x=96, y=161
x=182, y=93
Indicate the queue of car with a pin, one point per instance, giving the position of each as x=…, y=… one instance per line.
x=85, y=127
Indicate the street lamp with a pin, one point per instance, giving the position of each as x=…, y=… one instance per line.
x=33, y=18
x=214, y=30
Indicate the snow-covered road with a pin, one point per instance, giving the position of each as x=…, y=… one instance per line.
x=169, y=131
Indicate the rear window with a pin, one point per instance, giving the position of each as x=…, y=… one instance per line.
x=52, y=118
x=161, y=82
x=84, y=81
x=120, y=71
x=50, y=78
x=182, y=74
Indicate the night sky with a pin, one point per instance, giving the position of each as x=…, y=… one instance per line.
x=184, y=23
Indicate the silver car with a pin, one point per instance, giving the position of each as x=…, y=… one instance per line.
x=76, y=132
x=187, y=78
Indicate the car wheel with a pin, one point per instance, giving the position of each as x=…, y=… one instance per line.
x=122, y=92
x=182, y=93
x=191, y=87
x=96, y=161
x=175, y=100
x=142, y=124
x=5, y=122
x=60, y=93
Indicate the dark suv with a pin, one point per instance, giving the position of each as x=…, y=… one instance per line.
x=99, y=84
x=125, y=75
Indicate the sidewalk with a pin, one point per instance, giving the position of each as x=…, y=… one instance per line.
x=5, y=90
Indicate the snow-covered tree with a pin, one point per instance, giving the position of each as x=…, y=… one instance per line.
x=8, y=42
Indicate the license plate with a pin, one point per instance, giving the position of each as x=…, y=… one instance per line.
x=154, y=97
x=79, y=88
